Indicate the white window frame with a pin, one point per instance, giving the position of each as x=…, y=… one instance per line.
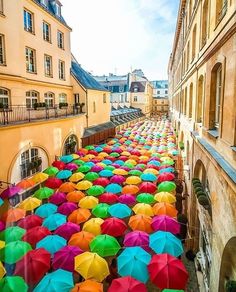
x=48, y=65
x=218, y=96
x=61, y=69
x=2, y=50
x=28, y=21
x=46, y=31
x=60, y=39
x=30, y=55
x=62, y=98
x=26, y=157
x=4, y=96
x=32, y=97
x=49, y=99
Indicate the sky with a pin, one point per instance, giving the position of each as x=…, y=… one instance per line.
x=117, y=36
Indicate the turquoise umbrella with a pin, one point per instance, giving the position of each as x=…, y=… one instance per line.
x=133, y=262
x=59, y=280
x=166, y=242
x=1, y=202
x=64, y=174
x=46, y=210
x=53, y=221
x=52, y=243
x=167, y=169
x=154, y=162
x=66, y=158
x=119, y=210
x=148, y=177
x=89, y=163
x=106, y=161
x=106, y=173
x=120, y=162
x=113, y=188
x=98, y=149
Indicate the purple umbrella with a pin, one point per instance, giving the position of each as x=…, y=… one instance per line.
x=2, y=225
x=137, y=238
x=115, y=165
x=94, y=160
x=10, y=192
x=97, y=168
x=71, y=166
x=67, y=208
x=64, y=258
x=57, y=198
x=67, y=229
x=125, y=168
x=138, y=168
x=165, y=223
x=127, y=199
x=117, y=179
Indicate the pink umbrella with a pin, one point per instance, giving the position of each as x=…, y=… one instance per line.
x=147, y=187
x=10, y=192
x=127, y=283
x=97, y=168
x=67, y=208
x=124, y=158
x=127, y=199
x=117, y=150
x=101, y=181
x=53, y=183
x=64, y=258
x=117, y=179
x=71, y=166
x=165, y=176
x=153, y=166
x=2, y=225
x=125, y=168
x=108, y=198
x=115, y=165
x=135, y=152
x=67, y=229
x=95, y=160
x=138, y=168
x=165, y=223
x=30, y=221
x=137, y=238
x=57, y=198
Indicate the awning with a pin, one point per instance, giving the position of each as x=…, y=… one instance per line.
x=99, y=128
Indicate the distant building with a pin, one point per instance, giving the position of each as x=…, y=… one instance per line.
x=160, y=102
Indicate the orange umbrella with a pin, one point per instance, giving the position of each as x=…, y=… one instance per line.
x=26, y=183
x=82, y=240
x=88, y=286
x=79, y=216
x=141, y=223
x=164, y=209
x=13, y=215
x=67, y=187
x=130, y=189
x=75, y=196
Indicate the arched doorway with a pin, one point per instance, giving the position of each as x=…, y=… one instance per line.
x=71, y=145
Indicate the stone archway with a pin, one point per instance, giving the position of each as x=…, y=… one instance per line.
x=200, y=171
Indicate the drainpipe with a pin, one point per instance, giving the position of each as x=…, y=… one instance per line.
x=86, y=108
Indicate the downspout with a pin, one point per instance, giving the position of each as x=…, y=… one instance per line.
x=86, y=91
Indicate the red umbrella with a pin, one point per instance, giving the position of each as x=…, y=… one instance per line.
x=35, y=234
x=30, y=221
x=93, y=152
x=147, y=187
x=67, y=208
x=33, y=266
x=57, y=198
x=67, y=229
x=53, y=183
x=10, y=192
x=153, y=166
x=165, y=176
x=59, y=164
x=127, y=284
x=167, y=271
x=113, y=226
x=101, y=181
x=108, y=198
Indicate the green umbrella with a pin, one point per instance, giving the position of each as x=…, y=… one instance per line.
x=105, y=245
x=166, y=186
x=109, y=167
x=129, y=165
x=43, y=193
x=51, y=171
x=91, y=176
x=135, y=172
x=12, y=234
x=145, y=198
x=14, y=283
x=84, y=168
x=89, y=147
x=101, y=210
x=114, y=154
x=95, y=190
x=14, y=251
x=79, y=162
x=141, y=165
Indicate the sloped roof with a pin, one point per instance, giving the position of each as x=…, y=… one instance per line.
x=140, y=85
x=96, y=129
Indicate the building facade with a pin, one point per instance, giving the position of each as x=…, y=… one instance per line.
x=202, y=90
x=160, y=101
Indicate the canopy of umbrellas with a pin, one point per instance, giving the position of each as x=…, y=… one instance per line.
x=105, y=201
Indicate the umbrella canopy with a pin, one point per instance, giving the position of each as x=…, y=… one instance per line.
x=91, y=176
x=105, y=245
x=147, y=187
x=25, y=184
x=81, y=239
x=13, y=215
x=51, y=171
x=76, y=177
x=101, y=181
x=127, y=283
x=84, y=185
x=88, y=202
x=58, y=280
x=95, y=190
x=66, y=158
x=117, y=179
x=148, y=177
x=167, y=271
x=166, y=186
x=101, y=210
x=2, y=225
x=10, y=192
x=133, y=180
x=64, y=258
x=165, y=209
x=145, y=198
x=137, y=238
x=59, y=164
x=14, y=251
x=67, y=208
x=119, y=210
x=46, y=210
x=53, y=221
x=84, y=168
x=43, y=193
x=30, y=221
x=133, y=262
x=91, y=265
x=57, y=198
x=120, y=171
x=35, y=234
x=67, y=229
x=71, y=166
x=64, y=174
x=87, y=286
x=12, y=234
x=113, y=188
x=135, y=172
x=14, y=283
x=40, y=177
x=166, y=176
x=143, y=209
x=108, y=198
x=75, y=196
x=166, y=242
x=141, y=223
x=127, y=199
x=130, y=189
x=33, y=265
x=165, y=223
x=30, y=204
x=79, y=216
x=114, y=227
x=165, y=197
x=2, y=270
x=67, y=187
x=52, y=243
x=93, y=226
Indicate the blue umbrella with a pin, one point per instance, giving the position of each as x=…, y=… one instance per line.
x=106, y=161
x=133, y=262
x=166, y=242
x=119, y=210
x=154, y=162
x=148, y=177
x=113, y=188
x=52, y=243
x=64, y=174
x=66, y=158
x=1, y=202
x=46, y=210
x=167, y=169
x=98, y=149
x=120, y=162
x=53, y=221
x=106, y=173
x=59, y=280
x=89, y=163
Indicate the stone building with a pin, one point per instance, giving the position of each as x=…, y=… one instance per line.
x=160, y=101
x=202, y=90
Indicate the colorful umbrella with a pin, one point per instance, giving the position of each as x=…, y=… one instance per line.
x=88, y=202
x=166, y=186
x=51, y=170
x=87, y=286
x=59, y=164
x=57, y=198
x=101, y=181
x=166, y=176
x=108, y=198
x=133, y=180
x=95, y=190
x=145, y=198
x=84, y=168
x=147, y=187
x=64, y=174
x=127, y=283
x=119, y=210
x=105, y=245
x=71, y=166
x=40, y=177
x=84, y=185
x=148, y=177
x=141, y=223
x=2, y=270
x=43, y=193
x=13, y=215
x=67, y=187
x=79, y=216
x=67, y=229
x=75, y=196
x=165, y=223
x=127, y=199
x=2, y=225
x=117, y=179
x=13, y=233
x=53, y=221
x=66, y=158
x=114, y=227
x=130, y=189
x=143, y=209
x=25, y=184
x=81, y=239
x=30, y=221
x=10, y=192
x=20, y=248
x=137, y=238
x=76, y=177
x=165, y=209
x=101, y=210
x=35, y=234
x=93, y=226
x=46, y=210
x=91, y=176
x=30, y=204
x=15, y=283
x=113, y=188
x=67, y=208
x=165, y=197
x=52, y=243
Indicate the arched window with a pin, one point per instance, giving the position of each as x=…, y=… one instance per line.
x=62, y=98
x=49, y=99
x=32, y=97
x=4, y=97
x=200, y=100
x=187, y=57
x=221, y=9
x=190, y=110
x=30, y=162
x=194, y=42
x=204, y=23
x=185, y=100
x=71, y=145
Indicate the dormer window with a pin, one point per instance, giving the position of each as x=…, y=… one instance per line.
x=58, y=9
x=135, y=88
x=44, y=2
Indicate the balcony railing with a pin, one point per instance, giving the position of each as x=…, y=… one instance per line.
x=21, y=114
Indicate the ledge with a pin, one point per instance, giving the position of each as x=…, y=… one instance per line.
x=213, y=133
x=233, y=148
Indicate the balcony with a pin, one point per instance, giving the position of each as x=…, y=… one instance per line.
x=13, y=115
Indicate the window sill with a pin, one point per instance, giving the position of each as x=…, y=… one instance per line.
x=31, y=32
x=214, y=133
x=35, y=73
x=2, y=14
x=49, y=76
x=3, y=64
x=233, y=148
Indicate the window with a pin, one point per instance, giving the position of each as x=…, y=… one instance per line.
x=200, y=100
x=194, y=42
x=62, y=98
x=58, y=9
x=104, y=98
x=30, y=162
x=48, y=65
x=218, y=96
x=28, y=21
x=158, y=92
x=121, y=88
x=44, y=2
x=61, y=70
x=2, y=50
x=46, y=31
x=135, y=98
x=94, y=107
x=166, y=91
x=49, y=99
x=204, y=23
x=166, y=85
x=60, y=39
x=1, y=6
x=71, y=145
x=32, y=97
x=30, y=60
x=121, y=97
x=136, y=88
x=187, y=57
x=4, y=97
x=76, y=97
x=190, y=101
x=221, y=9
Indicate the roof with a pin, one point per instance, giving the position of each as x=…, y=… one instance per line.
x=160, y=84
x=124, y=111
x=138, y=84
x=96, y=129
x=111, y=78
x=84, y=78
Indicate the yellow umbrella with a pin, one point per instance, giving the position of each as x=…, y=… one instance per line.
x=132, y=161
x=30, y=204
x=133, y=180
x=125, y=153
x=75, y=156
x=2, y=244
x=76, y=177
x=103, y=154
x=151, y=170
x=143, y=209
x=120, y=171
x=90, y=156
x=83, y=185
x=40, y=177
x=143, y=157
x=88, y=202
x=93, y=226
x=2, y=270
x=101, y=164
x=91, y=266
x=165, y=197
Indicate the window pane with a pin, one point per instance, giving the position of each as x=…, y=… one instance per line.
x=2, y=50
